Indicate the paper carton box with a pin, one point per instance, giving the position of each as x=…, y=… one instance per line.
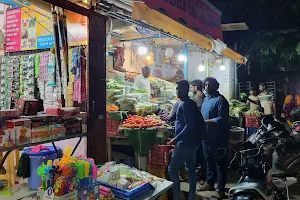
x=7, y=138
x=28, y=107
x=22, y=128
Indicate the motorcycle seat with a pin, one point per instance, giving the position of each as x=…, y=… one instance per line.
x=285, y=175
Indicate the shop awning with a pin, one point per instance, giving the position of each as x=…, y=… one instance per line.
x=141, y=12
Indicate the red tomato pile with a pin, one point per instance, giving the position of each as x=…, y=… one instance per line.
x=140, y=122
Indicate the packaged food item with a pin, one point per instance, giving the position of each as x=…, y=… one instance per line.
x=52, y=111
x=7, y=138
x=73, y=126
x=22, y=128
x=69, y=112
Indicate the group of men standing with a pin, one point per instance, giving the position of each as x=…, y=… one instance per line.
x=201, y=125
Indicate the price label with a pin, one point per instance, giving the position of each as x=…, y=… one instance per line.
x=49, y=194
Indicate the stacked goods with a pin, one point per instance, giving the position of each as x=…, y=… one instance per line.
x=135, y=121
x=106, y=193
x=46, y=127
x=69, y=175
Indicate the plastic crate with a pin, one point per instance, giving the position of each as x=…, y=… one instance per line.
x=112, y=126
x=159, y=155
x=251, y=122
x=128, y=194
x=250, y=131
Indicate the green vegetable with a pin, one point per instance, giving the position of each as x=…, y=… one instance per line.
x=243, y=96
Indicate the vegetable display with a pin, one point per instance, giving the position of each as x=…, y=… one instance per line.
x=135, y=121
x=127, y=104
x=256, y=113
x=164, y=115
x=143, y=109
x=237, y=108
x=111, y=84
x=112, y=108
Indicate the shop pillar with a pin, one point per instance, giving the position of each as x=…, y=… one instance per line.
x=96, y=146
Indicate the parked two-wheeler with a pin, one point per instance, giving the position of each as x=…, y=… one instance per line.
x=254, y=166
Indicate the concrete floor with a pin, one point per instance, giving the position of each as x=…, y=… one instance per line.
x=294, y=188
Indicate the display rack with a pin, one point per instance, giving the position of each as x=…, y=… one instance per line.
x=8, y=150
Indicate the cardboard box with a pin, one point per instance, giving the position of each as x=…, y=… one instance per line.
x=73, y=126
x=7, y=138
x=7, y=115
x=69, y=112
x=58, y=132
x=40, y=135
x=22, y=128
x=52, y=111
x=28, y=107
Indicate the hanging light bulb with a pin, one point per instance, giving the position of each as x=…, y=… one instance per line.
x=181, y=58
x=201, y=67
x=148, y=57
x=142, y=50
x=222, y=67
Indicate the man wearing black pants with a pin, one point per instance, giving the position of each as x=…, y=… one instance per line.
x=215, y=111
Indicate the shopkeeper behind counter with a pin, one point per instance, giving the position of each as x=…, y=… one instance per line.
x=141, y=82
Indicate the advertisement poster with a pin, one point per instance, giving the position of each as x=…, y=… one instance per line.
x=13, y=30
x=35, y=29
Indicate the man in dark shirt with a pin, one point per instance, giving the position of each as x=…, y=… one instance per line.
x=215, y=111
x=189, y=131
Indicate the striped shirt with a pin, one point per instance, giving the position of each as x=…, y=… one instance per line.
x=266, y=101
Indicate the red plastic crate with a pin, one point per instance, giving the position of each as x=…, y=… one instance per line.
x=112, y=126
x=159, y=155
x=251, y=121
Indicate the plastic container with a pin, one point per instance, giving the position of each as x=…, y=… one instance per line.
x=128, y=194
x=112, y=126
x=159, y=155
x=36, y=160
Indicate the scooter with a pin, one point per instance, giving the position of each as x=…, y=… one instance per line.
x=254, y=183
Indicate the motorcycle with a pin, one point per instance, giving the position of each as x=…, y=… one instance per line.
x=256, y=182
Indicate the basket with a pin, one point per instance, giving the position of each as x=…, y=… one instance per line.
x=128, y=194
x=251, y=122
x=159, y=155
x=157, y=170
x=112, y=126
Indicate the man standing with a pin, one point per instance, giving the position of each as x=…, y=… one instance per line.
x=215, y=111
x=141, y=82
x=189, y=131
x=196, y=89
x=267, y=100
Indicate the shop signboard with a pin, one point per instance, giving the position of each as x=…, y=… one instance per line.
x=195, y=14
x=35, y=29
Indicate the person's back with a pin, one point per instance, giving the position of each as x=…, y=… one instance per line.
x=195, y=126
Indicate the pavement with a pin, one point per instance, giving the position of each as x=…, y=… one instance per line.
x=294, y=188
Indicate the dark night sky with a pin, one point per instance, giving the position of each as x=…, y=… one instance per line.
x=259, y=15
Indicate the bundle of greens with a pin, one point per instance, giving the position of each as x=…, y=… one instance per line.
x=237, y=108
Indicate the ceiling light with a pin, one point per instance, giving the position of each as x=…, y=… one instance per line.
x=142, y=50
x=181, y=58
x=148, y=57
x=201, y=68
x=222, y=67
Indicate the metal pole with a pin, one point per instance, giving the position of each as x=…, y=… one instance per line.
x=235, y=74
x=185, y=65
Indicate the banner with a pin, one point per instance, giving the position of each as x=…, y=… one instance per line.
x=30, y=28
x=197, y=15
